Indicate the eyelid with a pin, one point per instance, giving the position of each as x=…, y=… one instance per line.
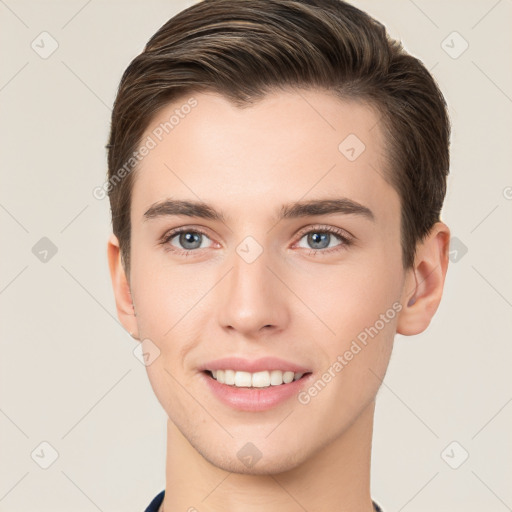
x=345, y=237
x=171, y=233
x=325, y=227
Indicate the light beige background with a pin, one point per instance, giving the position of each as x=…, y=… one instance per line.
x=68, y=376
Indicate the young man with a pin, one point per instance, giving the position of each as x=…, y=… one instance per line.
x=277, y=170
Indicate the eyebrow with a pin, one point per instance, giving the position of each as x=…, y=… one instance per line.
x=310, y=208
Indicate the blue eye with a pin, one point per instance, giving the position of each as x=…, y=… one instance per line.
x=187, y=238
x=319, y=240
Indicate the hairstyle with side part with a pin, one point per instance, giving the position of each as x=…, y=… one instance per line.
x=245, y=49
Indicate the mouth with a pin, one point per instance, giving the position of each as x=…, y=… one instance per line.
x=255, y=385
x=257, y=380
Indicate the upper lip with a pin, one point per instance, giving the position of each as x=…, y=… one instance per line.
x=252, y=366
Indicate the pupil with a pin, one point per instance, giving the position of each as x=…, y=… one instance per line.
x=188, y=238
x=314, y=239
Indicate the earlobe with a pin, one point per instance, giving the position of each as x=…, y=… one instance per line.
x=121, y=288
x=424, y=284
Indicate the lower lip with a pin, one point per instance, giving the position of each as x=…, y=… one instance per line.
x=255, y=399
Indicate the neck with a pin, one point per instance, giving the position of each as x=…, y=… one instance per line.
x=336, y=477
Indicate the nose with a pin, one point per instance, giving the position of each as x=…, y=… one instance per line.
x=251, y=300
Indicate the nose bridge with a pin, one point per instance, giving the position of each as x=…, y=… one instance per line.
x=251, y=296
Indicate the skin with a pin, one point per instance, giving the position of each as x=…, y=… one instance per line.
x=302, y=307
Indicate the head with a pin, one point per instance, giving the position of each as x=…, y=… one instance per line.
x=246, y=106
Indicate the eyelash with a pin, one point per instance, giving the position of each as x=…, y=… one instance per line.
x=346, y=240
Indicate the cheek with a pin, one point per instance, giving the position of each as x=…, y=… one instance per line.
x=354, y=297
x=163, y=293
x=360, y=306
x=361, y=314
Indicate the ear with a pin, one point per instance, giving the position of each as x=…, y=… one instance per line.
x=120, y=284
x=424, y=282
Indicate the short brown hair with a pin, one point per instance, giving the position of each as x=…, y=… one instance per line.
x=244, y=49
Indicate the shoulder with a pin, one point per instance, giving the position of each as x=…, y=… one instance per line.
x=157, y=501
x=376, y=507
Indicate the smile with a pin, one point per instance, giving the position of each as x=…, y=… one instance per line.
x=255, y=392
x=263, y=379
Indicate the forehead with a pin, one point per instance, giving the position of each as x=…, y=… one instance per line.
x=289, y=145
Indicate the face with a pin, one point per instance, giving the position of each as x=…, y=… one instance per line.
x=258, y=278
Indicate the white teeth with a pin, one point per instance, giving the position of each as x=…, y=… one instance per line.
x=256, y=380
x=229, y=377
x=243, y=379
x=260, y=380
x=276, y=377
x=288, y=377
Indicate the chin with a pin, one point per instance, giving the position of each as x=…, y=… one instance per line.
x=278, y=462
